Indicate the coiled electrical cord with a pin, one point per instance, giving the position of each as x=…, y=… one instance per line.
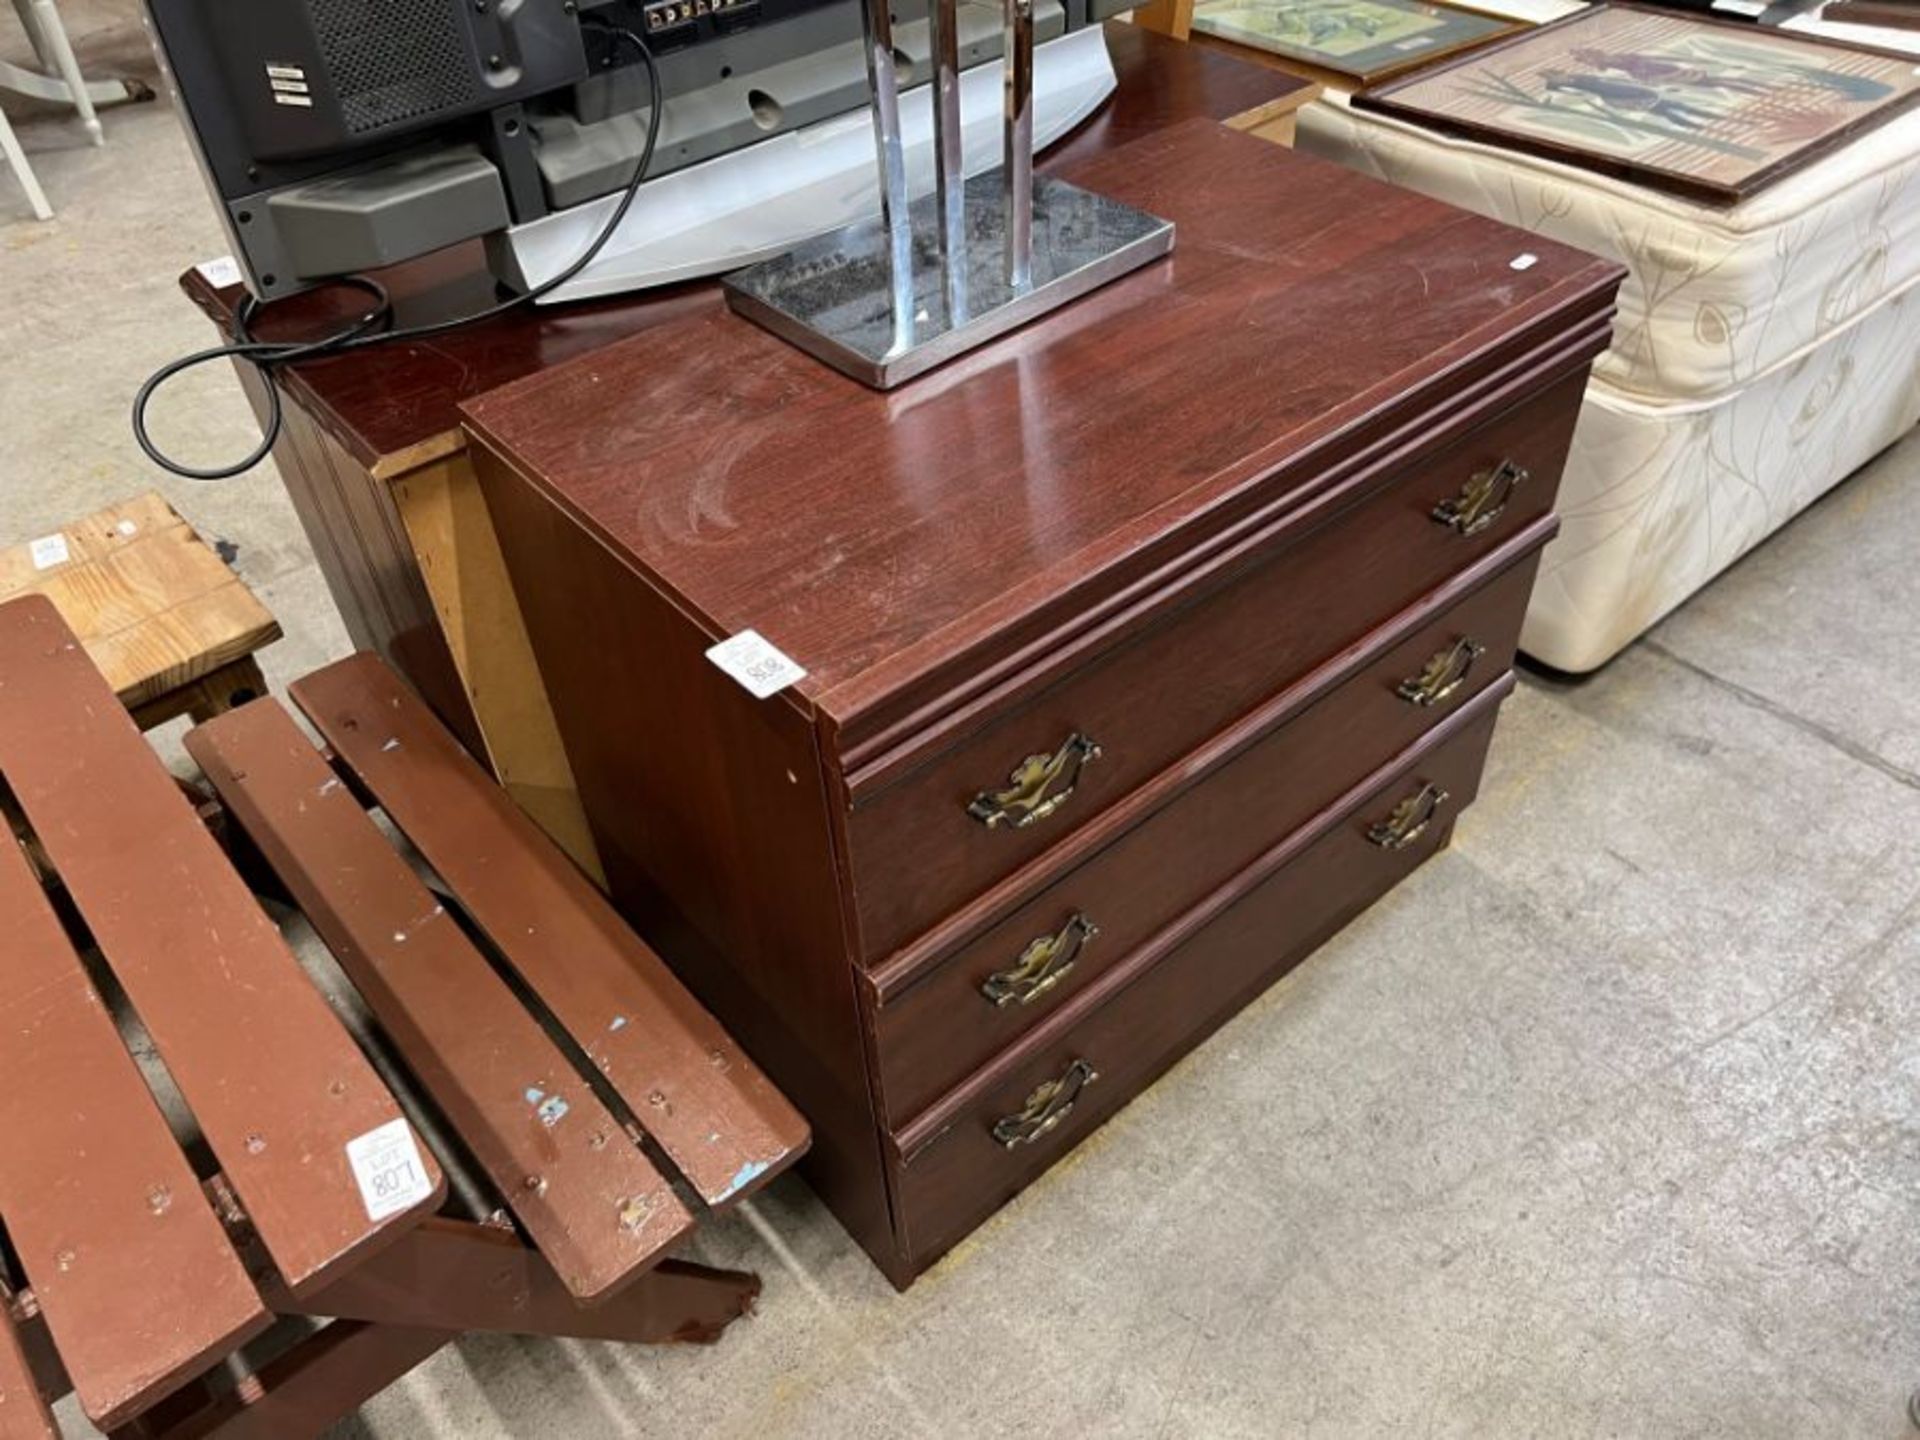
x=369, y=330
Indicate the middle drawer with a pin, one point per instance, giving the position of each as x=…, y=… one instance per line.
x=936, y=1018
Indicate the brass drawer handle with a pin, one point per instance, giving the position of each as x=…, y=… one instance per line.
x=1046, y=1107
x=1482, y=498
x=1039, y=785
x=1445, y=672
x=1042, y=965
x=1409, y=819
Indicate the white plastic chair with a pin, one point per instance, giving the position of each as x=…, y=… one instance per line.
x=60, y=82
x=17, y=161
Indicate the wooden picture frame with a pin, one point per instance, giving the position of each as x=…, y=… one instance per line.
x=1660, y=98
x=1445, y=31
x=1890, y=14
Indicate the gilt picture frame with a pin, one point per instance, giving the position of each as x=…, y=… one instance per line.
x=1363, y=41
x=1704, y=109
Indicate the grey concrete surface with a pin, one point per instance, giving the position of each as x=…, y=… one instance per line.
x=1603, y=1125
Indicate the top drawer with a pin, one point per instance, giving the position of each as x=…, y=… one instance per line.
x=964, y=821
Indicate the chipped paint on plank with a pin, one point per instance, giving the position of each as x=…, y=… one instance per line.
x=743, y=1177
x=551, y=1109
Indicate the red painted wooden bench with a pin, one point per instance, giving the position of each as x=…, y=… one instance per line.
x=535, y=1113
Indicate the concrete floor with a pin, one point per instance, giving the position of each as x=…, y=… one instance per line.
x=1604, y=1124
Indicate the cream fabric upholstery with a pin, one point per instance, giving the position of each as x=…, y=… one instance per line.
x=1660, y=498
x=1762, y=353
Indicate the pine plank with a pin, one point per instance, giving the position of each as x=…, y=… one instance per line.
x=151, y=601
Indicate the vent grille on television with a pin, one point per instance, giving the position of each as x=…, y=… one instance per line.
x=393, y=61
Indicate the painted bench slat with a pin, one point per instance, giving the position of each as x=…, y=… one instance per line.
x=129, y=1263
x=589, y=1198
x=275, y=1082
x=711, y=1109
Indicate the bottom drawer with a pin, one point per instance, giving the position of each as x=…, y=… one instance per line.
x=986, y=1140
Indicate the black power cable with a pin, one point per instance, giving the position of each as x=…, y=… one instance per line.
x=266, y=356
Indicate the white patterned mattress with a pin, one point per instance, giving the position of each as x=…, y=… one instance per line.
x=1762, y=353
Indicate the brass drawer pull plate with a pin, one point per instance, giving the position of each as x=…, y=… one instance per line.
x=1046, y=1107
x=1040, y=785
x=1445, y=672
x=1409, y=820
x=1042, y=965
x=1481, y=499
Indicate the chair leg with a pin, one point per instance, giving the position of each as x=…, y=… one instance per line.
x=228, y=688
x=28, y=23
x=47, y=24
x=17, y=159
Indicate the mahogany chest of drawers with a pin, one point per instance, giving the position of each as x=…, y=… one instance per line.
x=1144, y=649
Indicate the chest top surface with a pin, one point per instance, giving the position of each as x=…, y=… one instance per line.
x=873, y=536
x=385, y=403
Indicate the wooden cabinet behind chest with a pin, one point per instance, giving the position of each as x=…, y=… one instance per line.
x=1144, y=649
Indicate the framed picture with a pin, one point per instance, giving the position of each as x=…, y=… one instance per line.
x=1893, y=14
x=1703, y=109
x=1361, y=40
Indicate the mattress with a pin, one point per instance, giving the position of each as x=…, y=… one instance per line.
x=1657, y=499
x=1717, y=298
x=1763, y=352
